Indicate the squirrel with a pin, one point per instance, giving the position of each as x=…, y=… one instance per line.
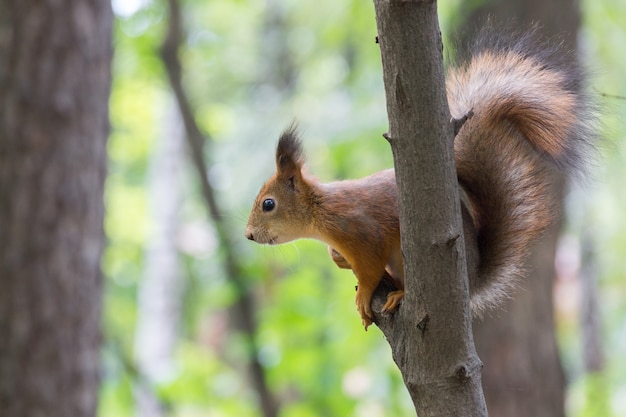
x=528, y=119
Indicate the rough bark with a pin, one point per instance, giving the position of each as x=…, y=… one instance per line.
x=430, y=335
x=54, y=86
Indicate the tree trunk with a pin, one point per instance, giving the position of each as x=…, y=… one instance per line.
x=430, y=335
x=54, y=86
x=523, y=374
x=160, y=292
x=590, y=320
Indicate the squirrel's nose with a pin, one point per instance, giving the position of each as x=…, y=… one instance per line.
x=249, y=235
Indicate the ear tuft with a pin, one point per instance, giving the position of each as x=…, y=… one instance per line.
x=289, y=154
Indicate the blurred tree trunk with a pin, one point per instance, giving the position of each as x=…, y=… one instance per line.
x=278, y=66
x=522, y=372
x=54, y=86
x=242, y=317
x=522, y=375
x=590, y=321
x=161, y=288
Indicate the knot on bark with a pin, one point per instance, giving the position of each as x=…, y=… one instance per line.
x=422, y=325
x=467, y=370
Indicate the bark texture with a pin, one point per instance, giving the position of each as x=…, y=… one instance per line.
x=430, y=335
x=54, y=86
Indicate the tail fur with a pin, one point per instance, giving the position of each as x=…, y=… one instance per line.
x=529, y=118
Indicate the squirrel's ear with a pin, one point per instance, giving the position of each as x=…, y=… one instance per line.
x=289, y=155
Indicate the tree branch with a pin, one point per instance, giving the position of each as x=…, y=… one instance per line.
x=616, y=96
x=430, y=335
x=196, y=140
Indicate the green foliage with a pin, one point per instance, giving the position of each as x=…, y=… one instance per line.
x=591, y=396
x=311, y=342
x=250, y=68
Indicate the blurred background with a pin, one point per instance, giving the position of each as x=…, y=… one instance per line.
x=200, y=322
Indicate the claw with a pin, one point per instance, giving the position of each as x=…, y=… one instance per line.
x=366, y=323
x=393, y=300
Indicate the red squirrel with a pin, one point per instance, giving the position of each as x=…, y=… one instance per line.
x=528, y=120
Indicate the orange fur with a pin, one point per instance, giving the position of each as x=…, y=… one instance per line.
x=356, y=218
x=528, y=119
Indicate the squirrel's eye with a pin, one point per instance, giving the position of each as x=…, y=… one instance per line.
x=268, y=204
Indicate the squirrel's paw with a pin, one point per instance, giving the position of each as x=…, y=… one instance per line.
x=393, y=300
x=338, y=259
x=364, y=308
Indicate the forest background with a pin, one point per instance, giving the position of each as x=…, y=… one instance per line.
x=250, y=68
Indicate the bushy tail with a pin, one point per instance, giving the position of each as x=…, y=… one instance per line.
x=529, y=117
